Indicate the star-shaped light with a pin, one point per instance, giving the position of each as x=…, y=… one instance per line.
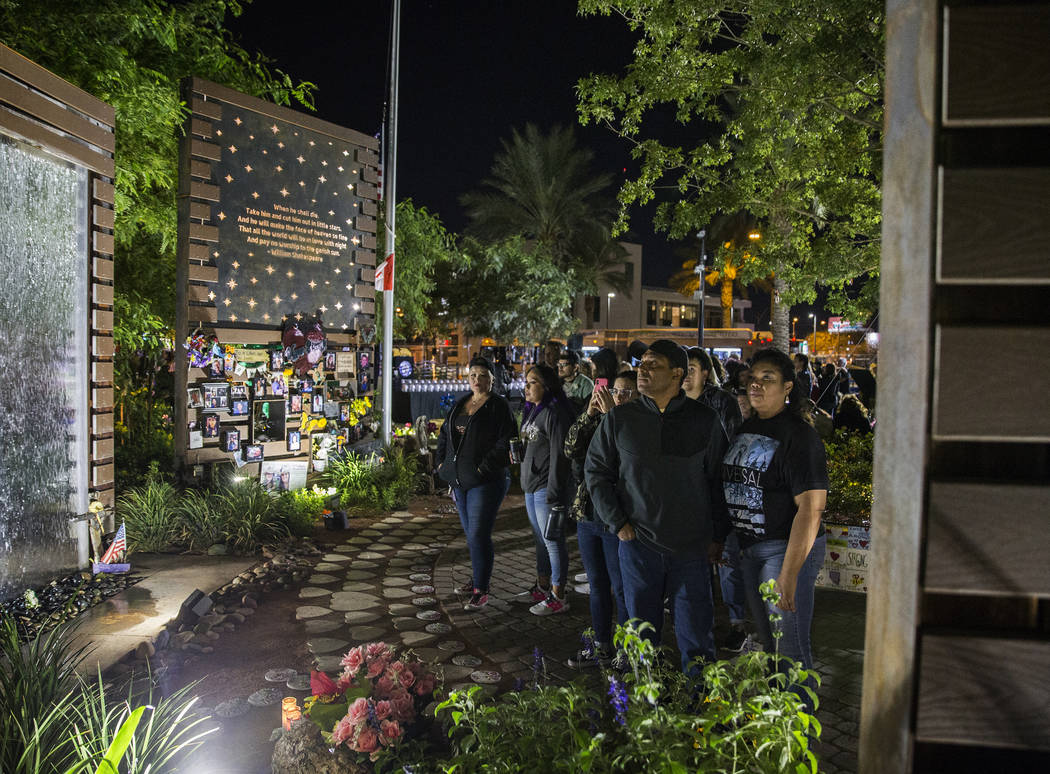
x=270, y=269
x=233, y=318
x=349, y=187
x=331, y=213
x=279, y=168
x=340, y=169
x=277, y=299
x=233, y=149
x=226, y=301
x=346, y=153
x=356, y=241
x=323, y=179
x=280, y=145
x=350, y=286
x=251, y=303
x=345, y=326
x=266, y=316
x=312, y=284
x=247, y=167
x=324, y=163
x=349, y=220
x=222, y=216
x=337, y=270
x=356, y=307
x=298, y=315
x=300, y=159
x=253, y=280
x=323, y=308
x=312, y=143
x=211, y=295
x=274, y=129
x=290, y=274
x=237, y=121
x=231, y=284
x=218, y=132
x=215, y=254
x=229, y=178
x=255, y=194
x=295, y=296
x=236, y=264
x=284, y=191
x=302, y=184
x=338, y=304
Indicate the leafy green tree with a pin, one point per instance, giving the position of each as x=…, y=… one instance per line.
x=511, y=291
x=425, y=251
x=787, y=96
x=542, y=188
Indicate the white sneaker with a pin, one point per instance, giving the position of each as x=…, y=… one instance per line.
x=580, y=577
x=582, y=588
x=550, y=606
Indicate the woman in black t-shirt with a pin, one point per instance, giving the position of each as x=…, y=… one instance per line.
x=776, y=486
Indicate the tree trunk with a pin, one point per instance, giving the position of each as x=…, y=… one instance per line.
x=780, y=316
x=727, y=302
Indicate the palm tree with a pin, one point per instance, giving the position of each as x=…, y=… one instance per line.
x=541, y=187
x=734, y=235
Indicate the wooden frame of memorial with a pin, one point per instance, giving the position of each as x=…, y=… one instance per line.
x=45, y=111
x=277, y=220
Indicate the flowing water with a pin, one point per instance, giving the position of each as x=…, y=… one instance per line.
x=44, y=316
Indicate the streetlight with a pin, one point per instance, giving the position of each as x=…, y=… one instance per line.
x=793, y=321
x=608, y=309
x=701, y=268
x=813, y=324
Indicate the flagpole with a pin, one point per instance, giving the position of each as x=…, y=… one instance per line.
x=389, y=183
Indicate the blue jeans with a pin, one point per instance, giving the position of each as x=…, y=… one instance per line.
x=649, y=576
x=477, y=508
x=600, y=551
x=732, y=581
x=763, y=561
x=552, y=556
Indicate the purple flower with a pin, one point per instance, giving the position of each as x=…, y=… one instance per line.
x=618, y=699
x=537, y=665
x=372, y=719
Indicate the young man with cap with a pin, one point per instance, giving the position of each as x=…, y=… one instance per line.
x=653, y=472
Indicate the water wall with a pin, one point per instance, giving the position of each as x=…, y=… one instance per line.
x=43, y=363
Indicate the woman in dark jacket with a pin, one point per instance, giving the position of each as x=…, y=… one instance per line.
x=473, y=458
x=545, y=480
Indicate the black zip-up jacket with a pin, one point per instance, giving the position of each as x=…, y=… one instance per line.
x=483, y=454
x=661, y=472
x=725, y=406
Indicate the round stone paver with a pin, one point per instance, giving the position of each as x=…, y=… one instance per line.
x=485, y=677
x=264, y=697
x=452, y=645
x=414, y=546
x=421, y=568
x=466, y=660
x=405, y=623
x=309, y=592
x=329, y=663
x=321, y=577
x=368, y=555
x=438, y=627
x=423, y=589
x=455, y=672
x=298, y=683
x=344, y=601
x=358, y=586
x=399, y=561
x=362, y=616
x=417, y=638
x=328, y=566
x=357, y=540
x=367, y=633
x=335, y=558
x=311, y=611
x=320, y=627
x=322, y=645
x=431, y=551
x=392, y=592
x=279, y=675
x=396, y=581
x=420, y=577
x=399, y=608
x=424, y=601
x=428, y=615
x=362, y=564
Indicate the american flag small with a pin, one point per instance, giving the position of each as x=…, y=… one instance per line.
x=119, y=544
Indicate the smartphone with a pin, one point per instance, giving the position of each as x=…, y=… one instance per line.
x=600, y=382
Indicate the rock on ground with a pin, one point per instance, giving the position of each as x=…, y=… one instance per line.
x=303, y=751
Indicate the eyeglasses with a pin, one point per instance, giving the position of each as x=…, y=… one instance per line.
x=621, y=393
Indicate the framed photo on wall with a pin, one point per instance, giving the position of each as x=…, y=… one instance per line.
x=216, y=396
x=231, y=440
x=295, y=442
x=194, y=399
x=252, y=452
x=211, y=426
x=329, y=360
x=240, y=408
x=295, y=404
x=345, y=363
x=317, y=402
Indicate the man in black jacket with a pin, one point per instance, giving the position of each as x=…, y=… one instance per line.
x=652, y=471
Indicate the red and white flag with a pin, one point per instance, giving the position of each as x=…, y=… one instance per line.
x=119, y=544
x=385, y=274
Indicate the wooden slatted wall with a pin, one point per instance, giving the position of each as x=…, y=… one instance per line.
x=45, y=110
x=957, y=670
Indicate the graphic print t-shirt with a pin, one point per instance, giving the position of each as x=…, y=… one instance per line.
x=769, y=462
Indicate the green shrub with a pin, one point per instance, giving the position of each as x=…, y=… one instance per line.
x=744, y=715
x=382, y=484
x=850, y=457
x=198, y=522
x=249, y=515
x=300, y=509
x=148, y=513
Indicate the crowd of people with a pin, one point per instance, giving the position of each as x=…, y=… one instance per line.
x=668, y=469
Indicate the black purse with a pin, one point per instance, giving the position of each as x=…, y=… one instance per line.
x=555, y=529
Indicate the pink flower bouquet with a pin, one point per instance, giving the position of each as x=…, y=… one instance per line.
x=384, y=695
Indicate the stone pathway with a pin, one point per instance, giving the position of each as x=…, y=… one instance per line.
x=395, y=581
